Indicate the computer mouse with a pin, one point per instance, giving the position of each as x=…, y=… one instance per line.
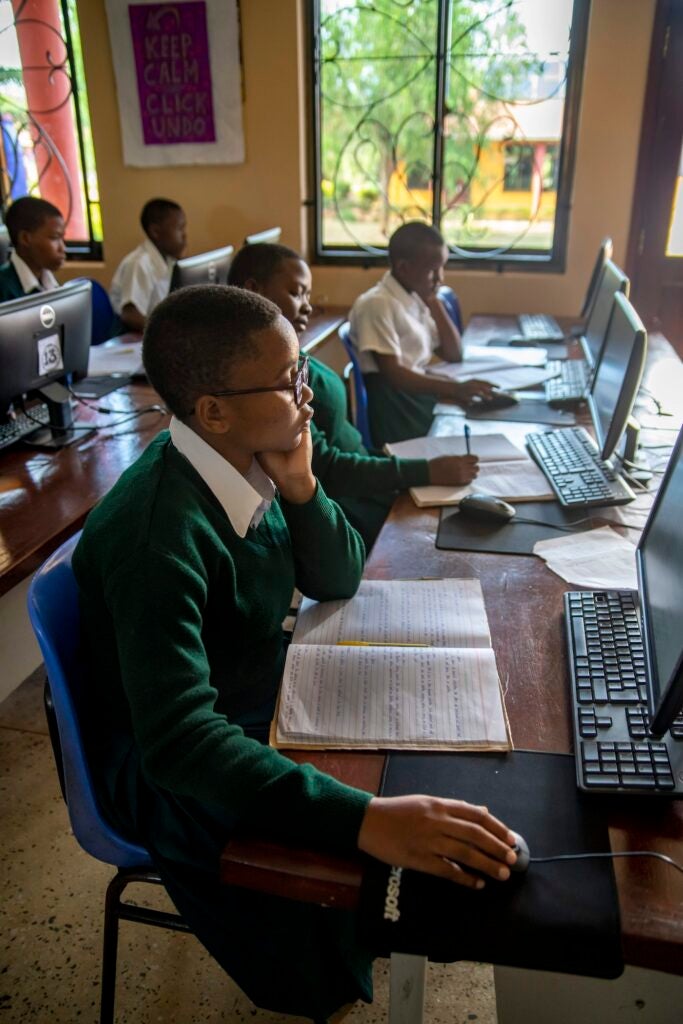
x=486, y=508
x=520, y=341
x=522, y=851
x=496, y=400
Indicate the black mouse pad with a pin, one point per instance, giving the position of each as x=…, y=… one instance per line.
x=527, y=410
x=97, y=387
x=457, y=532
x=561, y=916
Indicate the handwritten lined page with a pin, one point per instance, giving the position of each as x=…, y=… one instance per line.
x=441, y=613
x=521, y=480
x=487, y=447
x=385, y=697
x=527, y=355
x=510, y=377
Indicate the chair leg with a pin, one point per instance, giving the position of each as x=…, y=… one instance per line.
x=110, y=946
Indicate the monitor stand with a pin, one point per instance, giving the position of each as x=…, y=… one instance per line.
x=62, y=430
x=636, y=467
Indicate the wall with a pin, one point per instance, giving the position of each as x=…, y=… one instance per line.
x=224, y=203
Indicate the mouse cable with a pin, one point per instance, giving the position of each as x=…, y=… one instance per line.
x=115, y=412
x=56, y=429
x=623, y=853
x=553, y=526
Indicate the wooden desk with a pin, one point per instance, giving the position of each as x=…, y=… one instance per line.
x=524, y=604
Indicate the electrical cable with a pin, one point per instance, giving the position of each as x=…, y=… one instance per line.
x=623, y=853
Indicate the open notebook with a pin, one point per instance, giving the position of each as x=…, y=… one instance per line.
x=504, y=470
x=405, y=664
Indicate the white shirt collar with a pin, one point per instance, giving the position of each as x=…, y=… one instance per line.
x=28, y=280
x=410, y=300
x=245, y=500
x=161, y=264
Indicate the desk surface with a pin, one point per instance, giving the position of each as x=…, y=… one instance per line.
x=524, y=604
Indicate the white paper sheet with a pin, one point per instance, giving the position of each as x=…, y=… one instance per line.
x=508, y=377
x=595, y=558
x=487, y=447
x=526, y=356
x=116, y=357
x=520, y=480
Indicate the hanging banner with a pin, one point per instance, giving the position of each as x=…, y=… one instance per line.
x=178, y=81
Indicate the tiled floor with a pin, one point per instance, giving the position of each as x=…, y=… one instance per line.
x=51, y=920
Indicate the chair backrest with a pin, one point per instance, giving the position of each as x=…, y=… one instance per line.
x=361, y=419
x=55, y=616
x=452, y=304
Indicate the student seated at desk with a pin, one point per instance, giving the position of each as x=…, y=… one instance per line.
x=143, y=277
x=186, y=570
x=397, y=326
x=36, y=230
x=364, y=485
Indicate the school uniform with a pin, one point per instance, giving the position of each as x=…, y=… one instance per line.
x=389, y=320
x=186, y=570
x=142, y=279
x=17, y=279
x=364, y=484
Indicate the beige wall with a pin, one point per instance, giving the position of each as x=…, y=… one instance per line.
x=224, y=203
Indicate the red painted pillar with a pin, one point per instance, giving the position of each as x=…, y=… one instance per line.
x=48, y=96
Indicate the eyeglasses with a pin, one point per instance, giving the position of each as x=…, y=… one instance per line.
x=297, y=386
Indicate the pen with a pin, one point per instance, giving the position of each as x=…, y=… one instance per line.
x=368, y=643
x=467, y=439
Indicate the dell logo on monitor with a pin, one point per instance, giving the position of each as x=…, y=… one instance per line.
x=47, y=316
x=212, y=273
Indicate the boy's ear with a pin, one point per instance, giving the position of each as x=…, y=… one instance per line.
x=211, y=415
x=24, y=239
x=252, y=285
x=153, y=232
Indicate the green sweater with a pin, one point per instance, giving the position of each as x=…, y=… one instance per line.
x=184, y=620
x=10, y=285
x=340, y=461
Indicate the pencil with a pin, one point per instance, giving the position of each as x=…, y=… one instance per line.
x=368, y=643
x=467, y=439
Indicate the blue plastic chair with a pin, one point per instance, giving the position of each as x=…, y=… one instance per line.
x=452, y=304
x=55, y=616
x=104, y=322
x=362, y=423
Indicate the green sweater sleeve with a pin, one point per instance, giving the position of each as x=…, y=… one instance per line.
x=186, y=746
x=328, y=553
x=352, y=475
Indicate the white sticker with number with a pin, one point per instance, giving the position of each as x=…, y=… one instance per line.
x=49, y=355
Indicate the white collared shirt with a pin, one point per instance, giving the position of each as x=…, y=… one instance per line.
x=142, y=278
x=245, y=499
x=28, y=280
x=392, y=321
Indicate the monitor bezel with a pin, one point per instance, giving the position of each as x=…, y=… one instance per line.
x=624, y=287
x=670, y=697
x=605, y=253
x=191, y=262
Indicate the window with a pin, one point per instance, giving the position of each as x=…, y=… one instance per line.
x=455, y=112
x=45, y=139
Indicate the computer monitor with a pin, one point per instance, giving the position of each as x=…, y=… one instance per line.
x=618, y=376
x=604, y=253
x=271, y=235
x=205, y=268
x=659, y=562
x=611, y=281
x=44, y=340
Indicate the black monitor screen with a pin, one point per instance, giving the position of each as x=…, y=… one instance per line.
x=612, y=280
x=618, y=376
x=44, y=338
x=206, y=268
x=660, y=578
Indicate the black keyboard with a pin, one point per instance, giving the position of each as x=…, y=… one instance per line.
x=572, y=465
x=614, y=752
x=539, y=327
x=22, y=425
x=569, y=384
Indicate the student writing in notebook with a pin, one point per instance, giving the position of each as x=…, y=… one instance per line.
x=185, y=571
x=143, y=277
x=365, y=485
x=36, y=230
x=398, y=326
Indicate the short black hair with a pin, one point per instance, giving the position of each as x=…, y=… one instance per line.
x=195, y=337
x=28, y=214
x=156, y=210
x=259, y=261
x=411, y=237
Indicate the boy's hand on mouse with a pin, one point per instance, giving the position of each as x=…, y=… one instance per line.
x=465, y=391
x=291, y=471
x=441, y=837
x=453, y=470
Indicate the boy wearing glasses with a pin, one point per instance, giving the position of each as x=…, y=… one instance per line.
x=186, y=570
x=365, y=485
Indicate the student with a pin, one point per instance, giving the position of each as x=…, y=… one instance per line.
x=143, y=277
x=36, y=230
x=364, y=485
x=185, y=571
x=397, y=327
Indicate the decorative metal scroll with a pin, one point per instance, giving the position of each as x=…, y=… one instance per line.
x=411, y=95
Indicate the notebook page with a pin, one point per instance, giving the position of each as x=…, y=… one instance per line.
x=515, y=481
x=441, y=613
x=117, y=357
x=391, y=697
x=528, y=355
x=508, y=376
x=487, y=447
